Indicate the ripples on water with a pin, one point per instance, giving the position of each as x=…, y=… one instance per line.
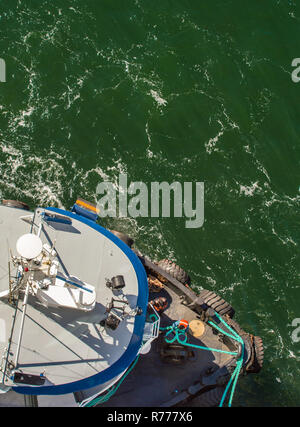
x=171, y=93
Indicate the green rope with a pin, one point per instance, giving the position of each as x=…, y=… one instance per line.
x=181, y=337
x=183, y=342
x=238, y=338
x=236, y=376
x=102, y=399
x=239, y=364
x=181, y=333
x=221, y=330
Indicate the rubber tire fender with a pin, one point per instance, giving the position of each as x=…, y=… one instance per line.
x=15, y=204
x=175, y=271
x=214, y=301
x=258, y=355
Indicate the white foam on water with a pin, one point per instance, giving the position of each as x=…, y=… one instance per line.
x=20, y=120
x=210, y=145
x=292, y=355
x=158, y=98
x=249, y=190
x=230, y=287
x=226, y=125
x=32, y=176
x=211, y=281
x=126, y=66
x=98, y=170
x=149, y=152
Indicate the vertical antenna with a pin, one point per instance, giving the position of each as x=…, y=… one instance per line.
x=9, y=284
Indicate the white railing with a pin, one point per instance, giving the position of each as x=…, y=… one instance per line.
x=151, y=330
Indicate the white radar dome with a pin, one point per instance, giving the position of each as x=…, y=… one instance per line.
x=29, y=246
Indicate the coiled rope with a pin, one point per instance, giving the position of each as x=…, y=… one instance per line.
x=180, y=336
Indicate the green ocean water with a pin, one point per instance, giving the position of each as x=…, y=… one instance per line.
x=170, y=91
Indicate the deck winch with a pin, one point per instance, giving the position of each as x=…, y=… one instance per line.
x=118, y=308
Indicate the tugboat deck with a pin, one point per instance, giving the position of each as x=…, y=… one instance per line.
x=163, y=383
x=75, y=320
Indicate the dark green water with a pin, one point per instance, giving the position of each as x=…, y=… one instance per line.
x=171, y=91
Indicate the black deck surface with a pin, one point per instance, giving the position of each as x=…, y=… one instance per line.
x=154, y=382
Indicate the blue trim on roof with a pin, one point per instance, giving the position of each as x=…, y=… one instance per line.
x=136, y=340
x=79, y=210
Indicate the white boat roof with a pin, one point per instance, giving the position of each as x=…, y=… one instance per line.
x=70, y=347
